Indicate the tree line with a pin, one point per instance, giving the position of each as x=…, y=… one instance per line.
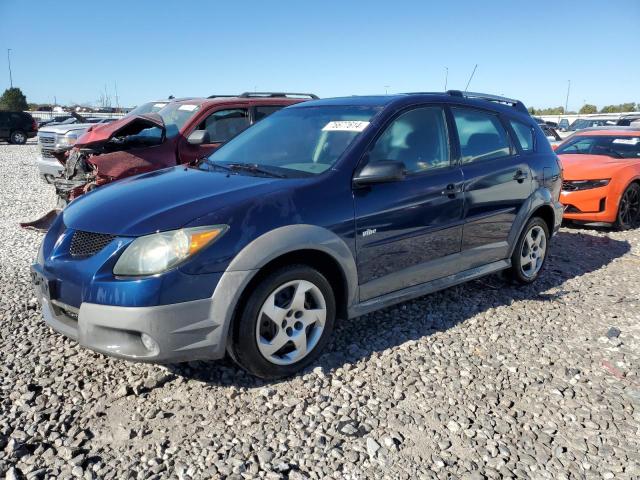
x=587, y=108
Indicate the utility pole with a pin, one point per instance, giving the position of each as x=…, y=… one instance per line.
x=386, y=89
x=115, y=86
x=9, y=61
x=472, y=73
x=446, y=77
x=566, y=102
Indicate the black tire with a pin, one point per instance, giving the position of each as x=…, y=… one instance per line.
x=629, y=208
x=18, y=137
x=519, y=273
x=244, y=348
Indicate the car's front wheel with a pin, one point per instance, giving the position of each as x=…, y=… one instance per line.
x=629, y=208
x=531, y=252
x=285, y=323
x=18, y=137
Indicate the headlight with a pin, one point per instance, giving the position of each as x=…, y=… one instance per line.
x=159, y=252
x=571, y=185
x=68, y=139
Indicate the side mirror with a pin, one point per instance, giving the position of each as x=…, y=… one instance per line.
x=380, y=172
x=199, y=137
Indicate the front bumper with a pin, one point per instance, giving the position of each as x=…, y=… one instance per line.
x=591, y=205
x=185, y=331
x=179, y=332
x=49, y=167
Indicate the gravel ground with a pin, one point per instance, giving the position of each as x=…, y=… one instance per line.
x=483, y=380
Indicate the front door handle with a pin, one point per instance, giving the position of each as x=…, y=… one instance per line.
x=451, y=190
x=520, y=176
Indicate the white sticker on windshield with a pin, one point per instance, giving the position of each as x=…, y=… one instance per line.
x=188, y=108
x=345, y=126
x=627, y=141
x=159, y=105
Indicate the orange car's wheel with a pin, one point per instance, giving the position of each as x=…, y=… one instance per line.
x=629, y=208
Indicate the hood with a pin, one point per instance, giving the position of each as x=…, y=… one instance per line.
x=162, y=200
x=130, y=125
x=62, y=129
x=592, y=167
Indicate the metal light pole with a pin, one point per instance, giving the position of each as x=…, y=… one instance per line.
x=446, y=77
x=386, y=89
x=9, y=61
x=566, y=102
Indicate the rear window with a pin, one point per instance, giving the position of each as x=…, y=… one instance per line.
x=524, y=133
x=481, y=134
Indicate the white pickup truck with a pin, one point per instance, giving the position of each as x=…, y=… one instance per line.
x=54, y=140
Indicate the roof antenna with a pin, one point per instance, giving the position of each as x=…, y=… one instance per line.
x=472, y=73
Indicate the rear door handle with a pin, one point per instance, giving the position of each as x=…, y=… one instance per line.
x=520, y=176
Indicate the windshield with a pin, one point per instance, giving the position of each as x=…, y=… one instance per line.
x=174, y=116
x=609, y=145
x=149, y=107
x=302, y=141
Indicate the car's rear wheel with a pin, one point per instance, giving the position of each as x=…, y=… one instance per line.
x=285, y=323
x=530, y=253
x=629, y=208
x=18, y=137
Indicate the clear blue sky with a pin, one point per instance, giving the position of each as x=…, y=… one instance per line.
x=526, y=49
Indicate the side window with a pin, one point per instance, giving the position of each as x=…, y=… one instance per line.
x=524, y=133
x=482, y=136
x=223, y=125
x=263, y=111
x=417, y=138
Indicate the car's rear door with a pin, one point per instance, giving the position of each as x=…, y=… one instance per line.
x=497, y=182
x=404, y=228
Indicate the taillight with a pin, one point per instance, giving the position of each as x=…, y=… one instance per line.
x=34, y=125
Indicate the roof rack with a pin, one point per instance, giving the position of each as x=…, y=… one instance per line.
x=215, y=95
x=277, y=95
x=517, y=104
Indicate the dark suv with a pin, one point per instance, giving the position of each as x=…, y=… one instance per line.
x=325, y=210
x=17, y=127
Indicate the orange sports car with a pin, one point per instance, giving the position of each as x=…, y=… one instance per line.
x=601, y=171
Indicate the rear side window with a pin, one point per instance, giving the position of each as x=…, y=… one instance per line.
x=524, y=133
x=264, y=111
x=482, y=136
x=417, y=138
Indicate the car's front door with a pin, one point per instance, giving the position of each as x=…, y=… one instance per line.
x=497, y=182
x=405, y=227
x=222, y=126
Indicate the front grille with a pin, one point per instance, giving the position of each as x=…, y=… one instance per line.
x=568, y=187
x=85, y=244
x=47, y=140
x=47, y=153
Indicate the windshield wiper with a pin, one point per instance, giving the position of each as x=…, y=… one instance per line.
x=212, y=164
x=253, y=168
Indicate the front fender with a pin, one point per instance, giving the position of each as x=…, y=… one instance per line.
x=291, y=238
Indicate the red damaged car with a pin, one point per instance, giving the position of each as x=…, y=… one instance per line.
x=179, y=133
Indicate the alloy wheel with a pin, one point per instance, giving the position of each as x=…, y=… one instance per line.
x=291, y=322
x=534, y=248
x=19, y=138
x=629, y=211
